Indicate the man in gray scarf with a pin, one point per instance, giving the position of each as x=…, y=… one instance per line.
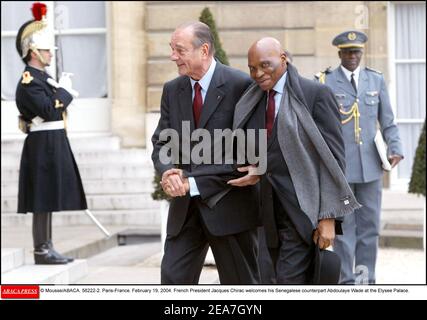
x=304, y=189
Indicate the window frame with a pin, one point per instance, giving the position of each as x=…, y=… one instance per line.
x=101, y=123
x=397, y=183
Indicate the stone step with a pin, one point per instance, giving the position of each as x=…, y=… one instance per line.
x=410, y=225
x=47, y=274
x=105, y=142
x=94, y=187
x=402, y=238
x=149, y=218
x=134, y=156
x=93, y=172
x=399, y=233
x=11, y=258
x=395, y=200
x=403, y=215
x=76, y=241
x=99, y=202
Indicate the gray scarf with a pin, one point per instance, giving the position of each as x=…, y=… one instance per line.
x=320, y=185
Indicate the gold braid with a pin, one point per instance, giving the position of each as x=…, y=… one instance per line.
x=322, y=77
x=353, y=113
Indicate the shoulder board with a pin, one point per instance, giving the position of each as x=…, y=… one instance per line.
x=324, y=72
x=321, y=76
x=328, y=70
x=27, y=77
x=373, y=70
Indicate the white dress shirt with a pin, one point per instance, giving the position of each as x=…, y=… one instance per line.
x=279, y=94
x=204, y=83
x=348, y=73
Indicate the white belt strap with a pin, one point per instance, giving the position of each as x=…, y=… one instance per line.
x=50, y=125
x=37, y=120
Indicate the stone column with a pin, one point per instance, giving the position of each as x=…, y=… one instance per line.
x=376, y=53
x=128, y=75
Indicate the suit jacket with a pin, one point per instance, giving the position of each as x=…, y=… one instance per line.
x=49, y=179
x=322, y=106
x=362, y=161
x=235, y=212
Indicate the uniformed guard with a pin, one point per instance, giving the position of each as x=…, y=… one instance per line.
x=364, y=104
x=49, y=179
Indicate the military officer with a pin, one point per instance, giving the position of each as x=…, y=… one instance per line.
x=364, y=105
x=49, y=179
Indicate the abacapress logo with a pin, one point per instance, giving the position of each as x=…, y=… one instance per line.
x=20, y=292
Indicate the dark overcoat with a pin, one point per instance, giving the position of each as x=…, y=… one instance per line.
x=49, y=179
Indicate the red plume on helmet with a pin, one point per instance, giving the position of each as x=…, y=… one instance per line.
x=39, y=10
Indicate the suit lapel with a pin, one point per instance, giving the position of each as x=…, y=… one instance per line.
x=246, y=105
x=343, y=83
x=185, y=103
x=213, y=97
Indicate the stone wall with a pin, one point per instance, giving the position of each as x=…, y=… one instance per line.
x=306, y=29
x=128, y=71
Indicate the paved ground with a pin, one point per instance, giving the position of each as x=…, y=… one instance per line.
x=401, y=266
x=133, y=264
x=139, y=264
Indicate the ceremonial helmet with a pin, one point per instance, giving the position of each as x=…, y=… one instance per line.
x=34, y=35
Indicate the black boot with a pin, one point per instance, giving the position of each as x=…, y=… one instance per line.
x=49, y=241
x=43, y=255
x=57, y=254
x=42, y=251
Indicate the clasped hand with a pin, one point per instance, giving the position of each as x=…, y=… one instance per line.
x=248, y=180
x=174, y=183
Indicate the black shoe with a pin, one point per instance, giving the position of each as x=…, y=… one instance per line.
x=46, y=257
x=60, y=256
x=57, y=254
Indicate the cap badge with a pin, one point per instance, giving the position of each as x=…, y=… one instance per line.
x=351, y=36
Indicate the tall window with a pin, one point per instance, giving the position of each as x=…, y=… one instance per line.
x=80, y=35
x=409, y=68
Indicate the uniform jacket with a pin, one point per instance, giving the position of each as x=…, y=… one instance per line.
x=363, y=163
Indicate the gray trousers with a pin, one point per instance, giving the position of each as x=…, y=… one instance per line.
x=358, y=246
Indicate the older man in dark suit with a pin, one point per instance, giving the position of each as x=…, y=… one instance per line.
x=304, y=189
x=203, y=97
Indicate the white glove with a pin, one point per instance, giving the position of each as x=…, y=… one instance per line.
x=66, y=83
